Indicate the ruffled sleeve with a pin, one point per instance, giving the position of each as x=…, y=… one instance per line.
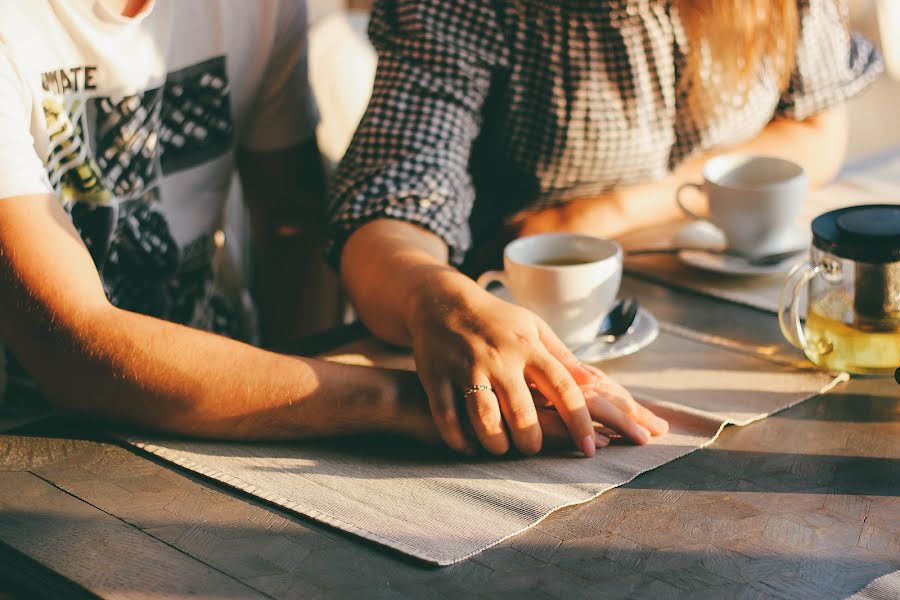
x=832, y=64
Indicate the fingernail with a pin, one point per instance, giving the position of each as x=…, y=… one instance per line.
x=588, y=446
x=600, y=440
x=643, y=435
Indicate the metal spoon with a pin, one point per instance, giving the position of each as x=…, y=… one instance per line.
x=617, y=322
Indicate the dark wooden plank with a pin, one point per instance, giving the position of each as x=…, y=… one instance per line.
x=22, y=453
x=24, y=577
x=98, y=551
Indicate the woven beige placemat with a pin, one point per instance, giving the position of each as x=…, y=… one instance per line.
x=886, y=587
x=443, y=508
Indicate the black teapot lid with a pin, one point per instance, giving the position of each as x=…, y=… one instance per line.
x=868, y=233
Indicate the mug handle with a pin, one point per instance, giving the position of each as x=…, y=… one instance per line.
x=789, y=303
x=489, y=277
x=680, y=202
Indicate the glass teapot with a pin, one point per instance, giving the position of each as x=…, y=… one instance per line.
x=852, y=285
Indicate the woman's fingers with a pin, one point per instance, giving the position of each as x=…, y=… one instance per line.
x=657, y=425
x=606, y=412
x=519, y=411
x=555, y=382
x=612, y=405
x=554, y=430
x=562, y=353
x=442, y=402
x=486, y=418
x=623, y=400
x=588, y=376
x=557, y=436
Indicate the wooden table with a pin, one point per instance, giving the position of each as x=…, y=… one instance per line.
x=804, y=504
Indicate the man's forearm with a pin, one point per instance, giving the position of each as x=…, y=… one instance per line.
x=90, y=357
x=135, y=369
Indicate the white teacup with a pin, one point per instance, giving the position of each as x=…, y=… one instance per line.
x=754, y=200
x=569, y=280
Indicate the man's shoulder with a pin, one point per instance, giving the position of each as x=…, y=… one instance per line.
x=21, y=17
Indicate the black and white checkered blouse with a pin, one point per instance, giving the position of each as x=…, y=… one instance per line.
x=482, y=108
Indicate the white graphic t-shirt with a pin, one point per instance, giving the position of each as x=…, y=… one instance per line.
x=132, y=124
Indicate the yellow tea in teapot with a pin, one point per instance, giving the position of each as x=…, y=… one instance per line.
x=840, y=347
x=852, y=283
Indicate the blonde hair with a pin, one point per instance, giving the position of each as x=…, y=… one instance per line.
x=729, y=41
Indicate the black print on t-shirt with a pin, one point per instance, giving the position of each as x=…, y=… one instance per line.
x=75, y=79
x=107, y=157
x=196, y=116
x=125, y=139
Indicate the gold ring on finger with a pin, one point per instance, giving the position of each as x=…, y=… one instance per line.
x=474, y=389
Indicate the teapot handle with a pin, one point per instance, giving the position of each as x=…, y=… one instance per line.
x=789, y=303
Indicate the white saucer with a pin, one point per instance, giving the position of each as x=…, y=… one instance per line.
x=725, y=264
x=642, y=333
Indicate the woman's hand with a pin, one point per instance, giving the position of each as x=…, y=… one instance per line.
x=615, y=410
x=464, y=338
x=612, y=409
x=479, y=359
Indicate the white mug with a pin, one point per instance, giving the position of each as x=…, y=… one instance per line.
x=754, y=200
x=569, y=280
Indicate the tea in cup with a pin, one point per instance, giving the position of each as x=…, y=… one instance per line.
x=754, y=200
x=569, y=280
